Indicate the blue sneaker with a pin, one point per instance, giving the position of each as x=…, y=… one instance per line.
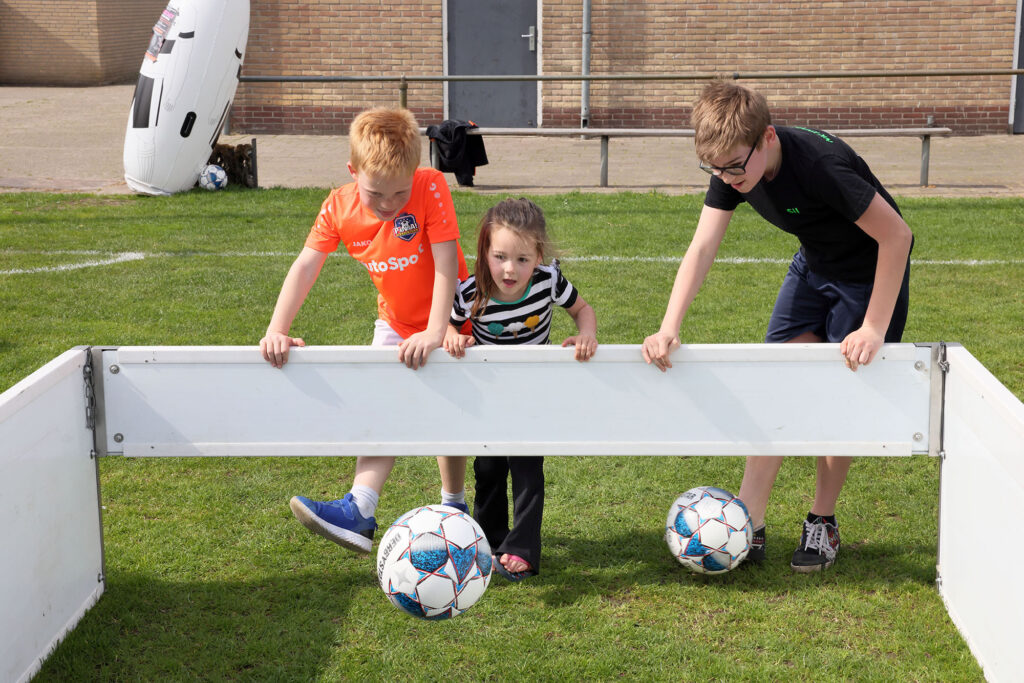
x=461, y=507
x=336, y=520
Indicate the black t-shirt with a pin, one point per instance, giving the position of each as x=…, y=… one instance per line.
x=821, y=188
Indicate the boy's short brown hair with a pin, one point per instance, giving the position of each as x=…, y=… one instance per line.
x=384, y=141
x=726, y=115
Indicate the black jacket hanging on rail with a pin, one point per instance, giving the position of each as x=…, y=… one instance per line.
x=458, y=152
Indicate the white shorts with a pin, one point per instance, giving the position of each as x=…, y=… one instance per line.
x=383, y=335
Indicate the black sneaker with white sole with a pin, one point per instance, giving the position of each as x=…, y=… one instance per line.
x=819, y=545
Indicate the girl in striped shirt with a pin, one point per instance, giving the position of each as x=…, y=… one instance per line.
x=510, y=299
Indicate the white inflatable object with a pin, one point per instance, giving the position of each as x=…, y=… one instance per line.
x=186, y=84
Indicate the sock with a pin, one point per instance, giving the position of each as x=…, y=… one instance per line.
x=459, y=497
x=759, y=541
x=366, y=500
x=831, y=519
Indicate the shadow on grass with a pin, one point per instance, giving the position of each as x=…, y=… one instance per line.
x=577, y=567
x=211, y=630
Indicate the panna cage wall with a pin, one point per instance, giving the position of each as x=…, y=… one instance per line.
x=739, y=400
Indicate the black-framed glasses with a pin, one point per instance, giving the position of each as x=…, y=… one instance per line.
x=731, y=170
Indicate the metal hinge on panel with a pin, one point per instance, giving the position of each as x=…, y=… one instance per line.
x=90, y=399
x=90, y=393
x=937, y=370
x=943, y=364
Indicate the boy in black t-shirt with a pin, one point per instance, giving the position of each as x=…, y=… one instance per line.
x=848, y=283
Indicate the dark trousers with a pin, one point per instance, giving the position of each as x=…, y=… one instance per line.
x=490, y=506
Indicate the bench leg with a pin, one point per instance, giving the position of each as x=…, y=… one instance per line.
x=926, y=148
x=604, y=161
x=253, y=165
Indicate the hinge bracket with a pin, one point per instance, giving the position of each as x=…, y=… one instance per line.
x=943, y=364
x=90, y=399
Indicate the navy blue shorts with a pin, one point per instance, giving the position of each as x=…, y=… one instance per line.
x=808, y=302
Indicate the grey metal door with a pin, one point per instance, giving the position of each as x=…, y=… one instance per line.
x=493, y=37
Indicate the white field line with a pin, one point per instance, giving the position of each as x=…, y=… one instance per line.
x=742, y=260
x=122, y=257
x=115, y=258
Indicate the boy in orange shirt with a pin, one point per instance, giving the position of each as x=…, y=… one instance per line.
x=398, y=220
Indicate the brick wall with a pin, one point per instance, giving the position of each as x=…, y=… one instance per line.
x=124, y=28
x=321, y=37
x=91, y=42
x=788, y=36
x=331, y=38
x=74, y=42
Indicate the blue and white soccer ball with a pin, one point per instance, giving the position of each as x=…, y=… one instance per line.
x=708, y=530
x=434, y=562
x=213, y=177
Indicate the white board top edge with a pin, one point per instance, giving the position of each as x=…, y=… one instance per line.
x=607, y=353
x=521, y=448
x=37, y=383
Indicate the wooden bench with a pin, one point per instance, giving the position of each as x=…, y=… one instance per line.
x=925, y=133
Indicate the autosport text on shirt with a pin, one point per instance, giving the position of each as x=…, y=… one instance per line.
x=398, y=263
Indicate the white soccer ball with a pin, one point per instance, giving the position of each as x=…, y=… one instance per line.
x=213, y=177
x=708, y=530
x=434, y=562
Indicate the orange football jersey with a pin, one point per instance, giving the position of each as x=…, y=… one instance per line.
x=396, y=252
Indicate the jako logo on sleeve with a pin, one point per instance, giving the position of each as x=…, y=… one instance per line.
x=398, y=263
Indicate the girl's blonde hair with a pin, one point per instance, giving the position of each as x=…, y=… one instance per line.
x=522, y=217
x=385, y=142
x=726, y=115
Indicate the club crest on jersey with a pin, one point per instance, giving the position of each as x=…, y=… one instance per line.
x=406, y=226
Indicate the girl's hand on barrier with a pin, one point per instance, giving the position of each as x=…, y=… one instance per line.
x=455, y=343
x=585, y=345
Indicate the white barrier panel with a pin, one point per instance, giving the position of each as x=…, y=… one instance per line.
x=982, y=497
x=748, y=399
x=52, y=548
x=718, y=400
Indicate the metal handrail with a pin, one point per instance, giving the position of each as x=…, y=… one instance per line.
x=605, y=134
x=404, y=80
x=694, y=76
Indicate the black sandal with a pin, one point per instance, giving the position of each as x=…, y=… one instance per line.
x=511, y=576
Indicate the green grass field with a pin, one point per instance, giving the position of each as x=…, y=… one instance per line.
x=209, y=577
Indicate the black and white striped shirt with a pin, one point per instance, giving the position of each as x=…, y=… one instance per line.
x=527, y=321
